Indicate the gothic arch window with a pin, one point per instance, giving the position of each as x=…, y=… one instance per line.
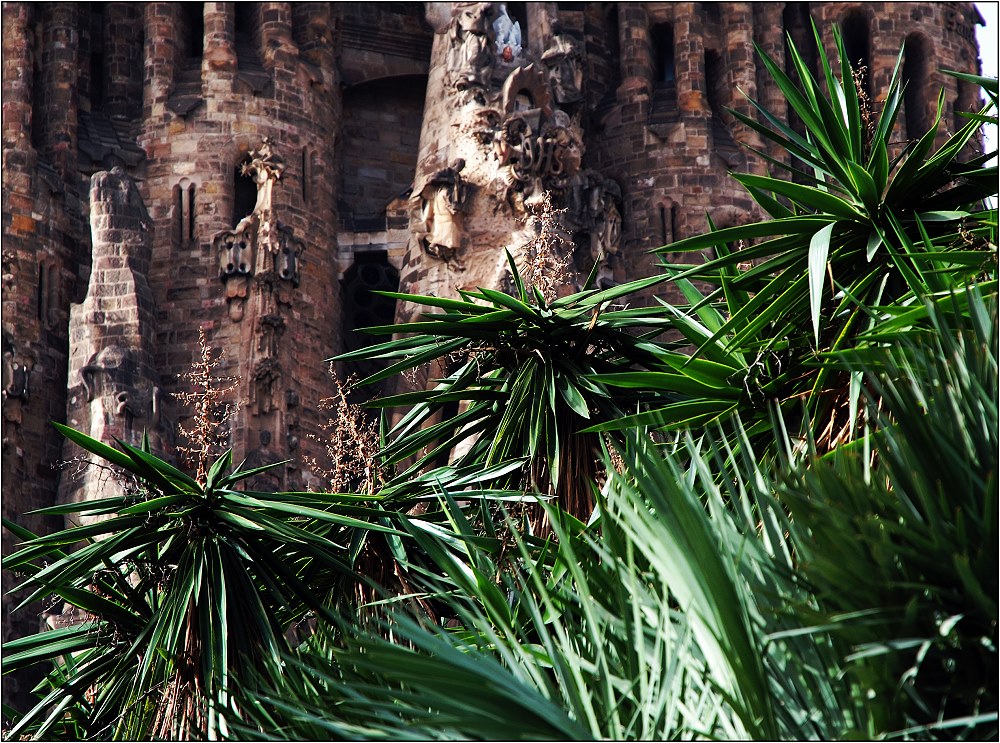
x=193, y=30
x=184, y=212
x=244, y=192
x=857, y=43
x=371, y=272
x=917, y=57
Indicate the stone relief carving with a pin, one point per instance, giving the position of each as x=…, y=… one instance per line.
x=111, y=376
x=470, y=54
x=16, y=390
x=260, y=244
x=269, y=481
x=442, y=201
x=565, y=68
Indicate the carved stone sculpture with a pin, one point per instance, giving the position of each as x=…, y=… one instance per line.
x=565, y=70
x=508, y=36
x=443, y=198
x=470, y=54
x=260, y=245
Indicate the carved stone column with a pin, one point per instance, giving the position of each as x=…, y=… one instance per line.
x=690, y=61
x=18, y=74
x=123, y=61
x=738, y=23
x=770, y=28
x=113, y=387
x=219, y=58
x=57, y=137
x=161, y=55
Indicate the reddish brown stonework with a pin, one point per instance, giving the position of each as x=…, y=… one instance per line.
x=390, y=165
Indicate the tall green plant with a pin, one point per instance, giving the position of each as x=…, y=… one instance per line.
x=856, y=238
x=697, y=605
x=520, y=371
x=180, y=584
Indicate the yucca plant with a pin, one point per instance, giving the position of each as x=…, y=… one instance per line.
x=855, y=239
x=845, y=595
x=518, y=383
x=181, y=585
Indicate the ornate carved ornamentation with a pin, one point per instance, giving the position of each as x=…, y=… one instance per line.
x=442, y=200
x=260, y=245
x=470, y=54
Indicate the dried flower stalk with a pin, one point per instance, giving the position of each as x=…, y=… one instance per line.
x=208, y=434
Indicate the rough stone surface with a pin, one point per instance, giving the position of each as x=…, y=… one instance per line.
x=407, y=145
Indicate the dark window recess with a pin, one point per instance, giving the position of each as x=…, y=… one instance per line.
x=662, y=37
x=797, y=24
x=96, y=55
x=193, y=17
x=663, y=107
x=244, y=193
x=190, y=214
x=857, y=45
x=519, y=12
x=916, y=77
x=363, y=308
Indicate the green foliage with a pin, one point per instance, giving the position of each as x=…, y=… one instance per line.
x=521, y=368
x=814, y=556
x=181, y=583
x=856, y=239
x=697, y=605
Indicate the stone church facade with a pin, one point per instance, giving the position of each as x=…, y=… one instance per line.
x=254, y=170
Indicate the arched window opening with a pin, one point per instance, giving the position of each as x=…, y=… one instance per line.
x=663, y=108
x=184, y=219
x=796, y=22
x=190, y=214
x=857, y=45
x=306, y=186
x=371, y=272
x=916, y=77
x=662, y=38
x=97, y=83
x=193, y=18
x=664, y=226
x=714, y=80
x=244, y=193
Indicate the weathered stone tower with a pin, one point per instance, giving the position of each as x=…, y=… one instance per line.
x=256, y=169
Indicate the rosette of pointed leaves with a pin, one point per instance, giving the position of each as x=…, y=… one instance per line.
x=855, y=236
